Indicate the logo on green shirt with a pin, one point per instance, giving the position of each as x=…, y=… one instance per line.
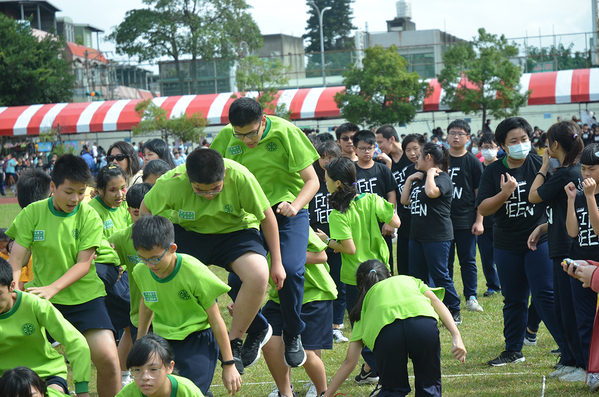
x=271, y=147
x=184, y=295
x=28, y=329
x=235, y=149
x=132, y=258
x=150, y=296
x=39, y=235
x=228, y=209
x=108, y=224
x=76, y=233
x=187, y=215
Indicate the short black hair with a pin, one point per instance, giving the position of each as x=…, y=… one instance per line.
x=17, y=382
x=388, y=132
x=323, y=137
x=3, y=235
x=419, y=138
x=245, y=111
x=160, y=147
x=147, y=346
x=365, y=136
x=509, y=124
x=152, y=231
x=33, y=185
x=461, y=124
x=329, y=147
x=205, y=166
x=346, y=127
x=155, y=167
x=589, y=154
x=72, y=168
x=6, y=276
x=107, y=173
x=136, y=194
x=487, y=138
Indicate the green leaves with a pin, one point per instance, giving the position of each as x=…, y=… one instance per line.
x=383, y=92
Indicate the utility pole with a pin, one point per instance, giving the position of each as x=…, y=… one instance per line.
x=87, y=74
x=320, y=15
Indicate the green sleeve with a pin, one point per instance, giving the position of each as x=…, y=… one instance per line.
x=301, y=152
x=209, y=287
x=339, y=228
x=383, y=208
x=21, y=230
x=76, y=347
x=357, y=332
x=92, y=231
x=254, y=199
x=106, y=254
x=221, y=140
x=315, y=244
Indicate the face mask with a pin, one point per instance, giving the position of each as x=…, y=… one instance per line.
x=475, y=151
x=519, y=151
x=489, y=154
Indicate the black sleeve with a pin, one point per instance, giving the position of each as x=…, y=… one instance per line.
x=553, y=186
x=477, y=171
x=486, y=187
x=444, y=183
x=389, y=180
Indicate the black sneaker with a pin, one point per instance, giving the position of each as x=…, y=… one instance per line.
x=295, y=356
x=457, y=317
x=507, y=357
x=236, y=346
x=250, y=354
x=366, y=377
x=490, y=292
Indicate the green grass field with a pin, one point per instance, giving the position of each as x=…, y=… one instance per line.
x=483, y=337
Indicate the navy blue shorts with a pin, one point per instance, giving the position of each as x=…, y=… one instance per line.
x=108, y=273
x=317, y=315
x=88, y=315
x=57, y=380
x=218, y=249
x=196, y=357
x=118, y=303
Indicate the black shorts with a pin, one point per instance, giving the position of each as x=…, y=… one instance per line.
x=88, y=315
x=218, y=249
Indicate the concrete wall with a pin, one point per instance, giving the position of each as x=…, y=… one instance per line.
x=289, y=48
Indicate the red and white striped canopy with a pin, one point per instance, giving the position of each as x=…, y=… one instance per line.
x=567, y=86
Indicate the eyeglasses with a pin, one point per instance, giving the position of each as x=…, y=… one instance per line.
x=153, y=261
x=118, y=157
x=205, y=192
x=138, y=373
x=249, y=134
x=366, y=149
x=345, y=138
x=460, y=134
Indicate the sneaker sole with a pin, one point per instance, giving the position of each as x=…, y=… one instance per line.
x=299, y=365
x=529, y=343
x=368, y=381
x=341, y=341
x=264, y=341
x=519, y=360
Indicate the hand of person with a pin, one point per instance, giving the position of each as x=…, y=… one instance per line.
x=278, y=275
x=93, y=193
x=589, y=185
x=533, y=239
x=231, y=308
x=286, y=209
x=418, y=175
x=384, y=158
x=458, y=349
x=434, y=171
x=231, y=379
x=121, y=271
x=388, y=230
x=47, y=292
x=322, y=235
x=570, y=189
x=546, y=160
x=508, y=183
x=478, y=228
x=583, y=271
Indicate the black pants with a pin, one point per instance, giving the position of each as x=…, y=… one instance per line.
x=418, y=339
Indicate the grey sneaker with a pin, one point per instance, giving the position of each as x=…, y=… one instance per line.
x=311, y=390
x=578, y=375
x=472, y=305
x=593, y=382
x=561, y=371
x=295, y=356
x=530, y=339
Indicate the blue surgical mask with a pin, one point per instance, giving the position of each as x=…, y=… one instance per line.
x=519, y=151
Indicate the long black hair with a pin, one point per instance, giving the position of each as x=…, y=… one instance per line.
x=148, y=346
x=160, y=147
x=344, y=170
x=132, y=157
x=17, y=382
x=368, y=274
x=568, y=135
x=439, y=154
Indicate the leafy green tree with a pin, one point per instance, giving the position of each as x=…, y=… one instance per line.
x=494, y=78
x=566, y=57
x=154, y=119
x=383, y=92
x=32, y=71
x=264, y=75
x=186, y=29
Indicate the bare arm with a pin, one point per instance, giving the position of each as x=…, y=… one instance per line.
x=571, y=219
x=311, y=186
x=346, y=246
x=458, y=350
x=270, y=229
x=143, y=210
x=407, y=187
x=430, y=186
x=145, y=319
x=533, y=195
x=395, y=221
x=589, y=187
x=315, y=258
x=17, y=259
x=350, y=362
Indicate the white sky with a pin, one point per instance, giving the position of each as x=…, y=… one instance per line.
x=461, y=18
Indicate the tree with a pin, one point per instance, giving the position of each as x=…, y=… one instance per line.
x=186, y=29
x=264, y=75
x=493, y=80
x=565, y=57
x=58, y=146
x=383, y=92
x=32, y=71
x=154, y=118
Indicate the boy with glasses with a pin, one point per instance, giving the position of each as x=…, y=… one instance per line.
x=345, y=133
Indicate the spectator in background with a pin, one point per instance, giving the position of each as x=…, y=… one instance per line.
x=178, y=159
x=50, y=166
x=122, y=154
x=156, y=149
x=488, y=128
x=86, y=155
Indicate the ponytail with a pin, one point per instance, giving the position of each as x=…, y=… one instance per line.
x=568, y=135
x=342, y=169
x=439, y=154
x=368, y=274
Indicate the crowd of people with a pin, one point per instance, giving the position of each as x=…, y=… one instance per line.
x=109, y=256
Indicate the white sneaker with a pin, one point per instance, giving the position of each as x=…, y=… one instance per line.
x=274, y=392
x=593, y=382
x=561, y=371
x=578, y=375
x=472, y=305
x=311, y=390
x=338, y=336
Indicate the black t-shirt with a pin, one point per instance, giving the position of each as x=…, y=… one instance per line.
x=431, y=220
x=465, y=173
x=552, y=192
x=517, y=217
x=398, y=168
x=586, y=138
x=377, y=179
x=586, y=246
x=488, y=221
x=403, y=211
x=319, y=210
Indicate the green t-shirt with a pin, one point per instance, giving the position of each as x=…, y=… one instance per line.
x=113, y=219
x=239, y=206
x=318, y=283
x=361, y=223
x=283, y=151
x=55, y=239
x=179, y=301
x=181, y=387
x=123, y=245
x=397, y=297
x=23, y=334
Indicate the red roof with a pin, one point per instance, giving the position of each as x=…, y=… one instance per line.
x=79, y=51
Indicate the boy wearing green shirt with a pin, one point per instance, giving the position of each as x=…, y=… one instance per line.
x=24, y=318
x=179, y=299
x=280, y=156
x=217, y=207
x=63, y=233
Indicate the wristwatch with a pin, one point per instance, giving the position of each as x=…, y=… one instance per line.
x=229, y=362
x=327, y=241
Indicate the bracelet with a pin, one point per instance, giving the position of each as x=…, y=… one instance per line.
x=327, y=241
x=543, y=175
x=230, y=362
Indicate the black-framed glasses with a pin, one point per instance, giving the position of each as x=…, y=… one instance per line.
x=249, y=134
x=345, y=138
x=153, y=261
x=364, y=149
x=205, y=192
x=459, y=134
x=118, y=157
x=138, y=373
